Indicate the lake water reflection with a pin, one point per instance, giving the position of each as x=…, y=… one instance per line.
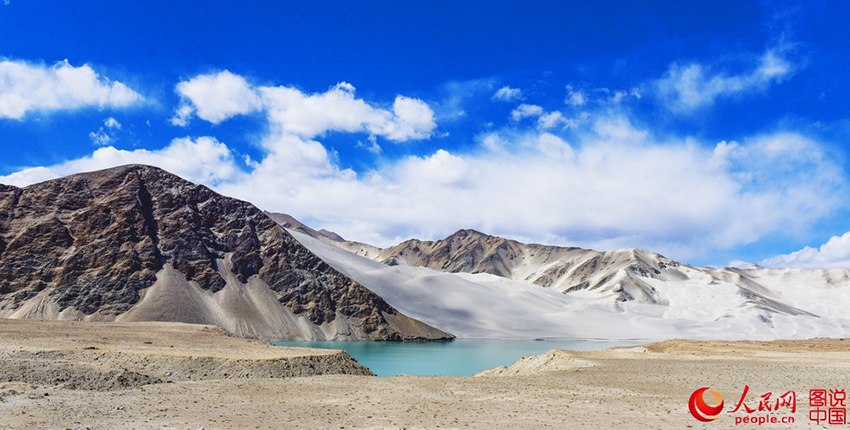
x=462, y=357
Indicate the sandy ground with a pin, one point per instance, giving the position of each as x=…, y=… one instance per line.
x=631, y=388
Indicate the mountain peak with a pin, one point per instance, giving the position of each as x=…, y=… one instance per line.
x=124, y=170
x=469, y=233
x=140, y=243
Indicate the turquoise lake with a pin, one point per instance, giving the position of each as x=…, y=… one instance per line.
x=461, y=357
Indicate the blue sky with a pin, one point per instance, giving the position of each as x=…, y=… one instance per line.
x=711, y=132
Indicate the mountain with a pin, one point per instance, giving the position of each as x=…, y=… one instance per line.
x=291, y=223
x=615, y=273
x=477, y=285
x=136, y=243
x=622, y=275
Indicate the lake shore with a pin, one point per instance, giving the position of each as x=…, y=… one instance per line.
x=632, y=387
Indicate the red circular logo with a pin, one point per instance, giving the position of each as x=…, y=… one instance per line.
x=701, y=410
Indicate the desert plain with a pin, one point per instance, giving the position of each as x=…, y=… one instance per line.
x=75, y=375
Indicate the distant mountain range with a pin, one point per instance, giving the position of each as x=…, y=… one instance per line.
x=136, y=243
x=675, y=299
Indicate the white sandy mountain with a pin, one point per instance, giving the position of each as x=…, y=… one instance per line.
x=477, y=285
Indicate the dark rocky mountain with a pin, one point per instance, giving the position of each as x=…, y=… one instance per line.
x=137, y=243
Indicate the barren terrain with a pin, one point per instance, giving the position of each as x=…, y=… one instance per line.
x=636, y=387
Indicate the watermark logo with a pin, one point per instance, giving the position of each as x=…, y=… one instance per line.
x=827, y=407
x=701, y=410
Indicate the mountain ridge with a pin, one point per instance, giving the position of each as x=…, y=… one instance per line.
x=623, y=278
x=138, y=243
x=701, y=304
x=556, y=267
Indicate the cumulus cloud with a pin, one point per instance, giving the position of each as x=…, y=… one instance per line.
x=220, y=96
x=525, y=111
x=615, y=185
x=26, y=87
x=689, y=87
x=610, y=185
x=212, y=162
x=833, y=254
x=508, y=94
x=338, y=109
x=597, y=181
x=215, y=98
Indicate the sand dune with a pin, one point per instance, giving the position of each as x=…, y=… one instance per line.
x=484, y=305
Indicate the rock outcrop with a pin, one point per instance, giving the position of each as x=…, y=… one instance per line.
x=137, y=243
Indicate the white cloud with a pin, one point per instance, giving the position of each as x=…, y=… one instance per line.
x=215, y=98
x=686, y=88
x=442, y=169
x=112, y=123
x=105, y=134
x=613, y=185
x=835, y=253
x=582, y=97
x=373, y=145
x=412, y=119
x=609, y=184
x=548, y=120
x=620, y=96
x=456, y=96
x=100, y=137
x=338, y=109
x=26, y=88
x=551, y=120
x=211, y=162
x=575, y=97
x=525, y=111
x=508, y=94
x=220, y=96
x=182, y=115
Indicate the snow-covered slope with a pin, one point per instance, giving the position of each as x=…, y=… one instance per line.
x=629, y=294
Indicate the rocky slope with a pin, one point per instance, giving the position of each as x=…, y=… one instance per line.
x=136, y=243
